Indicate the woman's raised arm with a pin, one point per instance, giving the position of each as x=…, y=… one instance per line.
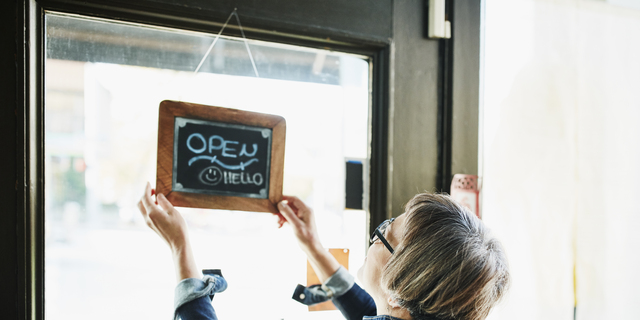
x=193, y=296
x=169, y=224
x=303, y=223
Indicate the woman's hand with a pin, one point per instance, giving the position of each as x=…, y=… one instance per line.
x=164, y=219
x=302, y=220
x=169, y=224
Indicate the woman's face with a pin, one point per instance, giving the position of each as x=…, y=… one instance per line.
x=370, y=273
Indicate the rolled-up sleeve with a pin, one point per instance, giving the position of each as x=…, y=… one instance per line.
x=192, y=299
x=352, y=301
x=339, y=283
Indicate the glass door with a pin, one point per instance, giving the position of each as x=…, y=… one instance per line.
x=104, y=83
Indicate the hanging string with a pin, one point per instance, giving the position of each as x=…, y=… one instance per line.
x=214, y=42
x=246, y=43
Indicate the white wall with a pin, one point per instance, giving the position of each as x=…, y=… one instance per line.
x=561, y=155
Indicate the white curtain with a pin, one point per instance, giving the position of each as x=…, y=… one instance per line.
x=561, y=155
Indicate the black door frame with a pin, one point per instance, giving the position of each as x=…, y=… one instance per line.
x=30, y=114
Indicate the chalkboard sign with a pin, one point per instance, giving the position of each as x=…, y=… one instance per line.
x=213, y=157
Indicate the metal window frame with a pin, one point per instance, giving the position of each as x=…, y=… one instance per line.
x=445, y=108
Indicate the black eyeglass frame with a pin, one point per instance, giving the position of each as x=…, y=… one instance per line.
x=377, y=234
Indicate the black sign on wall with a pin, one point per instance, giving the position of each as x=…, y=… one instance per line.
x=221, y=158
x=354, y=186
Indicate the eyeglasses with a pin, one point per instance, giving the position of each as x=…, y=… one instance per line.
x=378, y=233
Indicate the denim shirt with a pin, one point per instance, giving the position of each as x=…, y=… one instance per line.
x=193, y=297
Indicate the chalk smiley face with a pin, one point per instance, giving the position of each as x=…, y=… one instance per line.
x=211, y=175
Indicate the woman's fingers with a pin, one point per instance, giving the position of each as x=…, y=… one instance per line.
x=300, y=208
x=141, y=208
x=150, y=210
x=281, y=220
x=164, y=203
x=295, y=202
x=147, y=201
x=288, y=214
x=145, y=214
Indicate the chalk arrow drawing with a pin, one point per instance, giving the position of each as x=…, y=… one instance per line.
x=194, y=159
x=214, y=159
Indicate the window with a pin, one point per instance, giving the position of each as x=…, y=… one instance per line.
x=104, y=82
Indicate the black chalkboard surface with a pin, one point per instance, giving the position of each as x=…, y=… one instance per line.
x=213, y=157
x=221, y=158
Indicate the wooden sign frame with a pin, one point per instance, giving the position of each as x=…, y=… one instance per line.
x=169, y=110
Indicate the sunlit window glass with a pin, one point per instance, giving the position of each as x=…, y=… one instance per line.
x=104, y=83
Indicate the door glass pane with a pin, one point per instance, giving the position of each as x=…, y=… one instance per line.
x=104, y=83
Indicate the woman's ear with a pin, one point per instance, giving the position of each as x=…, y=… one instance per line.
x=393, y=302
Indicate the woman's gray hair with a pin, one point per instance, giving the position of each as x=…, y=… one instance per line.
x=446, y=265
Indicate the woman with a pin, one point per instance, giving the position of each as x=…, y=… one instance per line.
x=435, y=261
